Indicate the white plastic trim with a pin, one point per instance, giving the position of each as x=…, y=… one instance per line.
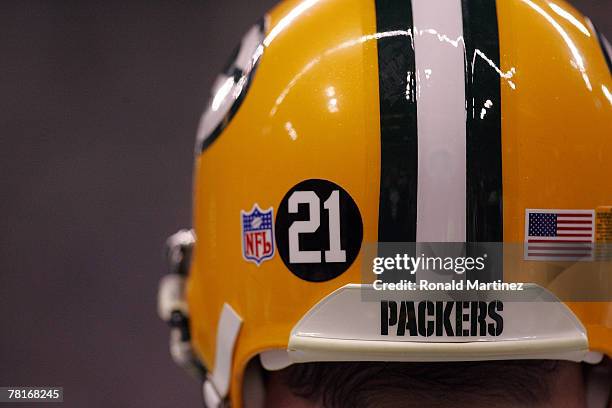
x=211, y=397
x=273, y=360
x=308, y=349
x=227, y=334
x=593, y=357
x=345, y=327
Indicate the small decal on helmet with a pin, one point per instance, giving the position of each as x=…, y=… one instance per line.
x=603, y=224
x=257, y=234
x=559, y=235
x=603, y=233
x=318, y=230
x=231, y=86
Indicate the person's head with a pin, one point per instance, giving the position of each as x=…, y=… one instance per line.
x=495, y=384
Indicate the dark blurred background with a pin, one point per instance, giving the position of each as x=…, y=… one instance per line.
x=99, y=104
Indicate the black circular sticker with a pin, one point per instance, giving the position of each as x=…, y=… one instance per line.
x=318, y=230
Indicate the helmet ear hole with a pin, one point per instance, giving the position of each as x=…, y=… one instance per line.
x=253, y=385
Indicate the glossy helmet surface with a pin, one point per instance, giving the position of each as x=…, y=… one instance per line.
x=440, y=123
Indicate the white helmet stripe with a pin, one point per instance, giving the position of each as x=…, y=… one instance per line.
x=441, y=118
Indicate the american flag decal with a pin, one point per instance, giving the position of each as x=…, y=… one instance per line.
x=559, y=235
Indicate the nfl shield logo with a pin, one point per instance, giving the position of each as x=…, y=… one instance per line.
x=257, y=234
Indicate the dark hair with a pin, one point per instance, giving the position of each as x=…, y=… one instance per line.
x=383, y=385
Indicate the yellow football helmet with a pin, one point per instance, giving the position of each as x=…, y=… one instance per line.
x=341, y=124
